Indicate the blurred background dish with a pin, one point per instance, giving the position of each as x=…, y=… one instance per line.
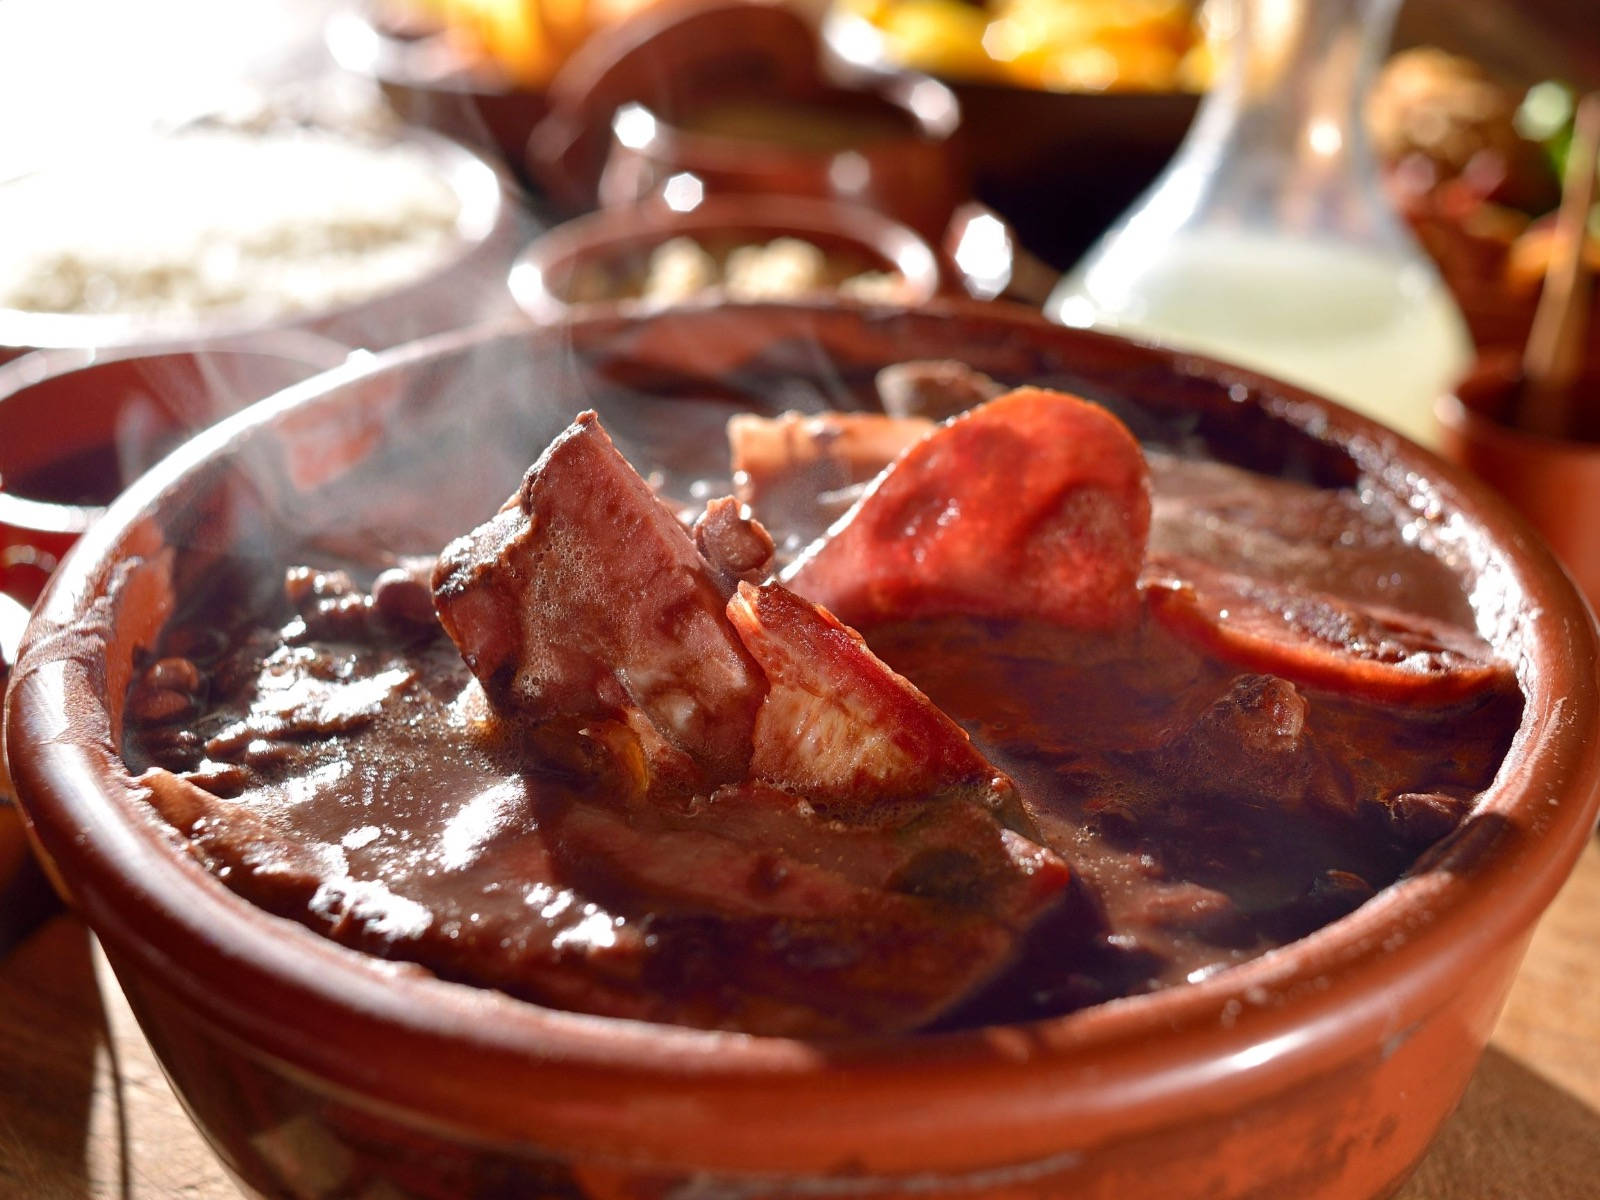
x=1060, y=162
x=1052, y=45
x=721, y=247
x=79, y=425
x=217, y=230
x=1474, y=164
x=431, y=81
x=1553, y=481
x=1529, y=424
x=742, y=96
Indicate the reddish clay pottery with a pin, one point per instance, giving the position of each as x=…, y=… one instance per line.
x=1319, y=1071
x=736, y=94
x=77, y=426
x=616, y=244
x=1553, y=482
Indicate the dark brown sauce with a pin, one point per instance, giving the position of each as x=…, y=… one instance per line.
x=378, y=804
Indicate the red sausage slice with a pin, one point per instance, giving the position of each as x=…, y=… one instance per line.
x=1321, y=640
x=1035, y=504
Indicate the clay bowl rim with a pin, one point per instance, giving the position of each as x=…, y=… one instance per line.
x=38, y=367
x=609, y=233
x=485, y=213
x=503, y=1072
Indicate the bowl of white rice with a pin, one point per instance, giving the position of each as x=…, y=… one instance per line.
x=214, y=231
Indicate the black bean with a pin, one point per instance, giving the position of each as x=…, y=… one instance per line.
x=1419, y=819
x=403, y=599
x=174, y=749
x=158, y=705
x=175, y=674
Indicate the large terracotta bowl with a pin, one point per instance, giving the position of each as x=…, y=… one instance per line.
x=1319, y=1071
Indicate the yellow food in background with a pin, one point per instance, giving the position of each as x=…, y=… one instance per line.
x=528, y=40
x=1062, y=45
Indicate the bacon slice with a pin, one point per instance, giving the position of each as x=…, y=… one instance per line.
x=584, y=596
x=1319, y=640
x=838, y=726
x=1034, y=505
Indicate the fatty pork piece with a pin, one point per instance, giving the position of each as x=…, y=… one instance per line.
x=1036, y=504
x=837, y=857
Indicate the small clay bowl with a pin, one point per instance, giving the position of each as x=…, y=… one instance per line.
x=77, y=426
x=1553, y=482
x=617, y=242
x=464, y=287
x=801, y=145
x=1319, y=1071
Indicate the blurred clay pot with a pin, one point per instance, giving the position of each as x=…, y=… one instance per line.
x=739, y=95
x=77, y=426
x=1553, y=482
x=1319, y=1071
x=617, y=243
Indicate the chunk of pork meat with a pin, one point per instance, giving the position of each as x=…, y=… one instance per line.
x=823, y=928
x=933, y=388
x=799, y=473
x=867, y=868
x=584, y=596
x=1036, y=504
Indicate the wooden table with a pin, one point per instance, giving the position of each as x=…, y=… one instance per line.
x=85, y=1112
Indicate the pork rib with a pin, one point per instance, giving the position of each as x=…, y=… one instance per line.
x=584, y=596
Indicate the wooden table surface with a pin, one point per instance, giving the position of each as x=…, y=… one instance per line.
x=85, y=1112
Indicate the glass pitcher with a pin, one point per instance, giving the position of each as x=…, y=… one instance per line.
x=1268, y=240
